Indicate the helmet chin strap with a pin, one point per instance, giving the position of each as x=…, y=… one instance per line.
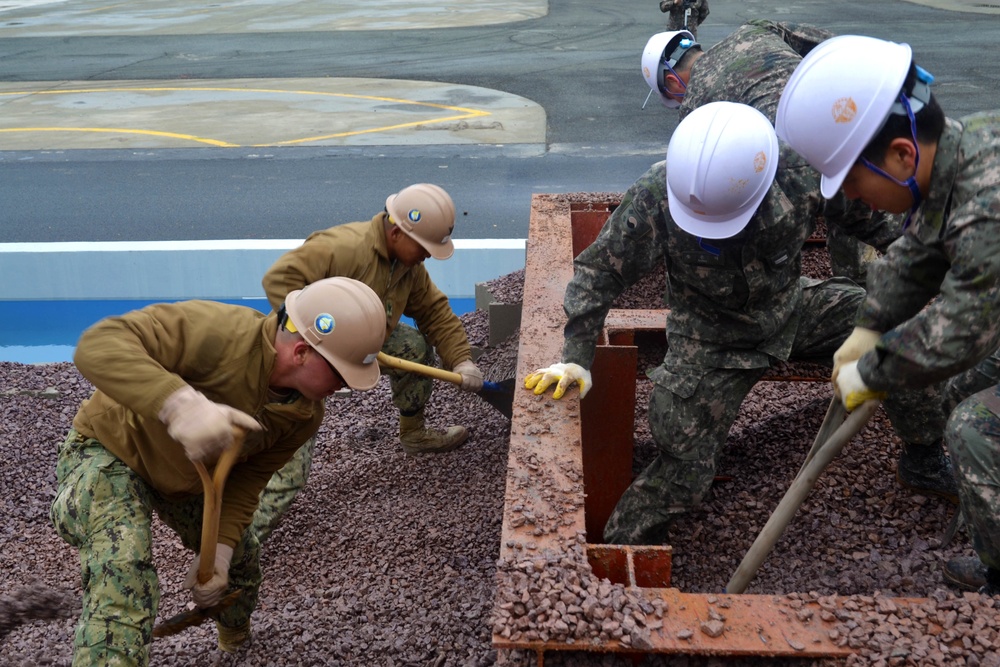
x=911, y=182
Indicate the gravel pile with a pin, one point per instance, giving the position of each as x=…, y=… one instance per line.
x=393, y=560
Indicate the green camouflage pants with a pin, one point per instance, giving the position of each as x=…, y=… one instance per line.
x=105, y=510
x=973, y=438
x=410, y=393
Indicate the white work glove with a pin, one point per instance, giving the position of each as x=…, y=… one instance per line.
x=203, y=427
x=857, y=344
x=565, y=374
x=851, y=389
x=210, y=593
x=472, y=377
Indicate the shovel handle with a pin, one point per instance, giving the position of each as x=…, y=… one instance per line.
x=414, y=367
x=213, y=486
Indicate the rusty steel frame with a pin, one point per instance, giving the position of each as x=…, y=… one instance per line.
x=555, y=444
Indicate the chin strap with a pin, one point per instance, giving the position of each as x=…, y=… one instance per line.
x=909, y=106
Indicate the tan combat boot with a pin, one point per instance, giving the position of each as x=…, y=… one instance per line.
x=416, y=438
x=231, y=639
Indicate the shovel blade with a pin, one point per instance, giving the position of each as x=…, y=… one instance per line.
x=500, y=395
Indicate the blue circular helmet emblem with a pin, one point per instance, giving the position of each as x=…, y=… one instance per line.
x=325, y=323
x=414, y=215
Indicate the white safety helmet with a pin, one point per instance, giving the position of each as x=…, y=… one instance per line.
x=662, y=49
x=838, y=99
x=343, y=319
x=721, y=162
x=426, y=214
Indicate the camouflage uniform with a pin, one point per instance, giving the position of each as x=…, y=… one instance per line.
x=119, y=464
x=737, y=305
x=751, y=66
x=106, y=510
x=934, y=295
x=699, y=12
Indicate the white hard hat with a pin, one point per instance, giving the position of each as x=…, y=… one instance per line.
x=344, y=320
x=721, y=162
x=664, y=49
x=426, y=213
x=837, y=100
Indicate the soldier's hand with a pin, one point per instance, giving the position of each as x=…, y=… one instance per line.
x=472, y=377
x=209, y=593
x=851, y=389
x=204, y=428
x=564, y=374
x=857, y=344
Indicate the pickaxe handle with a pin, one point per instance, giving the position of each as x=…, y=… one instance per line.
x=213, y=486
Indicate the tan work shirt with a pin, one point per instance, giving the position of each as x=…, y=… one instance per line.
x=137, y=360
x=359, y=250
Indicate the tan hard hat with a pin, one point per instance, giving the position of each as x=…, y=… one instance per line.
x=425, y=213
x=344, y=320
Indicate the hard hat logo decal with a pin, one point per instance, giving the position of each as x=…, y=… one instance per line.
x=325, y=323
x=844, y=110
x=759, y=162
x=737, y=184
x=645, y=72
x=414, y=215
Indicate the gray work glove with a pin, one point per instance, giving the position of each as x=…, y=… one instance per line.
x=472, y=377
x=204, y=428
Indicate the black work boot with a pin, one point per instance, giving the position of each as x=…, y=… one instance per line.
x=926, y=470
x=992, y=586
x=967, y=572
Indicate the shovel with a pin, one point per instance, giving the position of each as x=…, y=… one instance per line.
x=833, y=434
x=498, y=394
x=212, y=486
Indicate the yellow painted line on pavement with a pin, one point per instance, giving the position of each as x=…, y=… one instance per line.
x=464, y=113
x=118, y=130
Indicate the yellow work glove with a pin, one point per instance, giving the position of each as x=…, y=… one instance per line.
x=564, y=374
x=209, y=593
x=472, y=377
x=852, y=390
x=860, y=341
x=203, y=427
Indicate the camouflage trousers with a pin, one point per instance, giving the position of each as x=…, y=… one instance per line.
x=973, y=438
x=105, y=510
x=693, y=408
x=410, y=392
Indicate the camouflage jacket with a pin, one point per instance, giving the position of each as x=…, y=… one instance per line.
x=950, y=250
x=733, y=303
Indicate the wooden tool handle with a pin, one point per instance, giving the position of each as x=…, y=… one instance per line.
x=414, y=367
x=213, y=487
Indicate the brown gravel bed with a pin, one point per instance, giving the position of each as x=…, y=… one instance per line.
x=392, y=560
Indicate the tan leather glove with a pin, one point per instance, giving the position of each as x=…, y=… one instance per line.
x=857, y=344
x=209, y=593
x=204, y=428
x=851, y=389
x=564, y=374
x=472, y=377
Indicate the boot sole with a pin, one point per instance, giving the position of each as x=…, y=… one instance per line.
x=950, y=497
x=961, y=583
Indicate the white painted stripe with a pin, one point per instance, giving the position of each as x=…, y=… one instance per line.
x=231, y=244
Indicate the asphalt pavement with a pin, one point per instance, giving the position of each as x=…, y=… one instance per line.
x=171, y=119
